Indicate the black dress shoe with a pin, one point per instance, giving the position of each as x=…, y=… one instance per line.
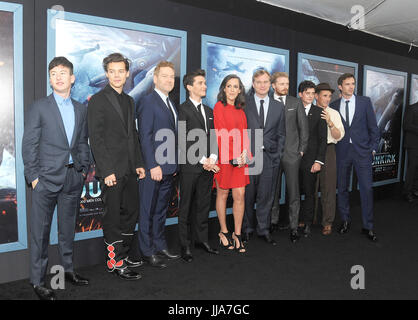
x=369, y=234
x=294, y=236
x=127, y=274
x=344, y=228
x=155, y=261
x=267, y=238
x=76, y=279
x=205, y=246
x=165, y=254
x=186, y=254
x=133, y=263
x=246, y=236
x=44, y=293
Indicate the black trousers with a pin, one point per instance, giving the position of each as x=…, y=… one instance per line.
x=195, y=198
x=260, y=191
x=411, y=181
x=308, y=185
x=44, y=201
x=120, y=218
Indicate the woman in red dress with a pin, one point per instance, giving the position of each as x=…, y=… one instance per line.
x=230, y=125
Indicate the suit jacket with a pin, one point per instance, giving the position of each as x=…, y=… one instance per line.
x=317, y=143
x=410, y=125
x=297, y=129
x=188, y=113
x=157, y=133
x=274, y=133
x=363, y=130
x=45, y=147
x=114, y=143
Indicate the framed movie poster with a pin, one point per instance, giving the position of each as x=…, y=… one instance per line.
x=414, y=89
x=221, y=57
x=85, y=41
x=320, y=69
x=387, y=90
x=13, y=230
x=413, y=98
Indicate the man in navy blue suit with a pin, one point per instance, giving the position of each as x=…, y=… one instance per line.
x=357, y=149
x=267, y=115
x=157, y=129
x=56, y=159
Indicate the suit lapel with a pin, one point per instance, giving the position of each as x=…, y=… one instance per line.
x=57, y=114
x=253, y=109
x=77, y=118
x=196, y=114
x=269, y=114
x=356, y=111
x=164, y=106
x=115, y=104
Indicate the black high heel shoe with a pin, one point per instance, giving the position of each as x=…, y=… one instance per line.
x=227, y=235
x=241, y=248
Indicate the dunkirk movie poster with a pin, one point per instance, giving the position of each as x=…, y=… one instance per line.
x=8, y=202
x=387, y=89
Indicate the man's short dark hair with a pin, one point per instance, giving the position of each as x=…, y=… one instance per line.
x=344, y=77
x=115, y=57
x=305, y=85
x=188, y=79
x=61, y=61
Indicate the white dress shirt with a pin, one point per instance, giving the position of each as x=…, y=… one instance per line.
x=203, y=113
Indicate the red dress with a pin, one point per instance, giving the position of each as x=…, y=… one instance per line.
x=232, y=140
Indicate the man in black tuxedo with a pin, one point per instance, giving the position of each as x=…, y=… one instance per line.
x=297, y=132
x=196, y=170
x=410, y=126
x=267, y=115
x=314, y=157
x=56, y=159
x=117, y=153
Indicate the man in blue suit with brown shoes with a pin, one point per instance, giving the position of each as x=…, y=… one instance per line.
x=357, y=150
x=56, y=159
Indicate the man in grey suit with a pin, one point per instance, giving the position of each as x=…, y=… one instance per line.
x=266, y=114
x=297, y=134
x=56, y=159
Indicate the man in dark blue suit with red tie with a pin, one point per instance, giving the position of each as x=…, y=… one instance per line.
x=157, y=129
x=357, y=149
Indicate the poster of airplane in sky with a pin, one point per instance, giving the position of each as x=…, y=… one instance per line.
x=87, y=44
x=321, y=69
x=222, y=57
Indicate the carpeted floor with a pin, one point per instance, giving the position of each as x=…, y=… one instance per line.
x=315, y=268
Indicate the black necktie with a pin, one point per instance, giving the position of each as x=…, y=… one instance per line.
x=199, y=108
x=262, y=113
x=171, y=110
x=281, y=100
x=347, y=113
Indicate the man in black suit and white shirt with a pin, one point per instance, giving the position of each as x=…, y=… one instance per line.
x=297, y=133
x=196, y=170
x=314, y=157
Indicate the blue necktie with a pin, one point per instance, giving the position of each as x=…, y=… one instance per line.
x=347, y=113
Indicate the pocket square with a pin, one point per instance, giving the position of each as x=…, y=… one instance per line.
x=291, y=109
x=210, y=118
